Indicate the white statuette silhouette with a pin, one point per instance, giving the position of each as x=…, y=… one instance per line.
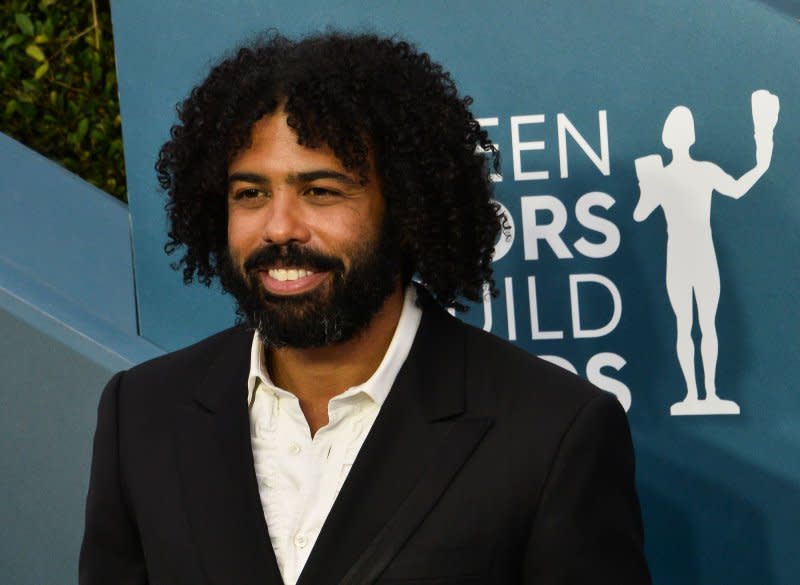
x=683, y=189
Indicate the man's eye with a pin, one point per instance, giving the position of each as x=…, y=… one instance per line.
x=247, y=194
x=321, y=192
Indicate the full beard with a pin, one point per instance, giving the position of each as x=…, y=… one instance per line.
x=336, y=310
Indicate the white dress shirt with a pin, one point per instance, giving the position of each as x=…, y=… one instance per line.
x=299, y=476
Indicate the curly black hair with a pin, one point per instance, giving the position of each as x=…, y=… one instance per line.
x=355, y=93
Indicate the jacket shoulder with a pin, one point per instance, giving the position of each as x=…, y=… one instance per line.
x=516, y=376
x=197, y=353
x=177, y=371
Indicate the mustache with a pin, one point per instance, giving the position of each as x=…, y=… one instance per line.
x=291, y=255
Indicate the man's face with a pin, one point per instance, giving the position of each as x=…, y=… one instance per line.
x=309, y=261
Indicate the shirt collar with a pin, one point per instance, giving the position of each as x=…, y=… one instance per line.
x=380, y=382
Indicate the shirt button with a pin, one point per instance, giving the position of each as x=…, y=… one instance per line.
x=294, y=448
x=300, y=541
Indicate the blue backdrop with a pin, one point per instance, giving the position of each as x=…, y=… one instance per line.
x=572, y=93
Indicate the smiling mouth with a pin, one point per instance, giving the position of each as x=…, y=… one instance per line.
x=286, y=274
x=290, y=280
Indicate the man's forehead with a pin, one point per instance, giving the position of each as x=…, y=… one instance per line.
x=274, y=145
x=271, y=138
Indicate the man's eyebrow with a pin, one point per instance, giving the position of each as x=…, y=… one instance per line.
x=294, y=178
x=248, y=178
x=309, y=176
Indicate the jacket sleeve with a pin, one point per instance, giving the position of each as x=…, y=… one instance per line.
x=588, y=526
x=111, y=551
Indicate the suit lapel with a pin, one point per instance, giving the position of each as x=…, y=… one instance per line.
x=216, y=465
x=411, y=454
x=459, y=439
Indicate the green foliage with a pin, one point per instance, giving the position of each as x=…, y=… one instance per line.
x=58, y=86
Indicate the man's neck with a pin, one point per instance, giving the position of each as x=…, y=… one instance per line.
x=316, y=375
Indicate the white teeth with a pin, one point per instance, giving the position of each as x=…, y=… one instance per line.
x=284, y=274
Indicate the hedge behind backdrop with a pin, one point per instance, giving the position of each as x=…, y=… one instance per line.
x=59, y=86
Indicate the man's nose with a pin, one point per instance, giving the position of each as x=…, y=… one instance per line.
x=284, y=220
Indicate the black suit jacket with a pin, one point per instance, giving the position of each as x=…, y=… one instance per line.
x=485, y=465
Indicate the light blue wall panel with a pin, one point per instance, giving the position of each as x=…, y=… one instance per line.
x=61, y=232
x=67, y=322
x=48, y=399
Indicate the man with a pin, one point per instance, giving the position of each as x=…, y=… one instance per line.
x=349, y=431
